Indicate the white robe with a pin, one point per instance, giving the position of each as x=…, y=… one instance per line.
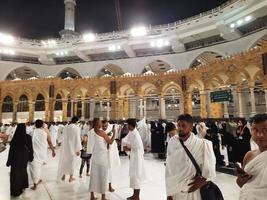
x=29, y=130
x=85, y=130
x=179, y=168
x=10, y=132
x=256, y=188
x=144, y=133
x=40, y=145
x=99, y=165
x=60, y=133
x=91, y=141
x=137, y=167
x=114, y=158
x=54, y=131
x=71, y=144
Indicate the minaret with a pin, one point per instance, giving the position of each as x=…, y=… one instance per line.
x=70, y=14
x=69, y=28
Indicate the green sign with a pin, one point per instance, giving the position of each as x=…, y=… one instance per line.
x=220, y=96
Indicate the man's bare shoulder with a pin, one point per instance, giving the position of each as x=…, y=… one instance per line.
x=250, y=156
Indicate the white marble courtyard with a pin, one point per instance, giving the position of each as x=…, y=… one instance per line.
x=153, y=188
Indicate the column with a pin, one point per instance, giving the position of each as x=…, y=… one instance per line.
x=46, y=111
x=1, y=114
x=252, y=101
x=51, y=109
x=101, y=106
x=188, y=107
x=108, y=110
x=240, y=103
x=162, y=108
x=83, y=110
x=141, y=109
x=15, y=108
x=72, y=108
x=132, y=113
x=75, y=107
x=181, y=105
x=225, y=110
x=92, y=109
x=208, y=103
x=125, y=108
x=144, y=107
x=235, y=101
x=203, y=104
x=31, y=111
x=265, y=91
x=64, y=110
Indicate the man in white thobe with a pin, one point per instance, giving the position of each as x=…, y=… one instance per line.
x=133, y=143
x=29, y=129
x=144, y=133
x=181, y=180
x=40, y=140
x=70, y=150
x=54, y=131
x=253, y=177
x=84, y=129
x=114, y=158
x=60, y=133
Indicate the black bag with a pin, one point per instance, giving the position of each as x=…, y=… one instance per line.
x=85, y=155
x=210, y=191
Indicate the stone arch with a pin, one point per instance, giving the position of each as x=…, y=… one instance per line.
x=170, y=86
x=69, y=72
x=262, y=40
x=126, y=90
x=157, y=66
x=27, y=93
x=205, y=58
x=147, y=88
x=43, y=93
x=21, y=73
x=111, y=70
x=102, y=91
x=63, y=92
x=23, y=104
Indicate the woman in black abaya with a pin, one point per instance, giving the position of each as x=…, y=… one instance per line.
x=20, y=153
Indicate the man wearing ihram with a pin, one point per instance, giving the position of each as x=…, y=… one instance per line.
x=252, y=178
x=183, y=180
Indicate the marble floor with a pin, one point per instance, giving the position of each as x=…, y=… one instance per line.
x=153, y=188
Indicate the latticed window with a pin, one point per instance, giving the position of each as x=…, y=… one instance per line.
x=7, y=104
x=23, y=105
x=69, y=107
x=79, y=107
x=40, y=103
x=58, y=104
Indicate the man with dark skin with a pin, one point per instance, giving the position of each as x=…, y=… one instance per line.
x=198, y=147
x=133, y=143
x=104, y=128
x=252, y=177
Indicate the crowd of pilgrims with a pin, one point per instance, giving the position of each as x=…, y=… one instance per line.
x=233, y=136
x=230, y=139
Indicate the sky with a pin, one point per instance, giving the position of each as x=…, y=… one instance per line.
x=41, y=19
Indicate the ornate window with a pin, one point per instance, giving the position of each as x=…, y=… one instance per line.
x=23, y=105
x=7, y=104
x=40, y=103
x=58, y=104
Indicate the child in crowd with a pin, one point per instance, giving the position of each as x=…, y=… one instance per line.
x=85, y=156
